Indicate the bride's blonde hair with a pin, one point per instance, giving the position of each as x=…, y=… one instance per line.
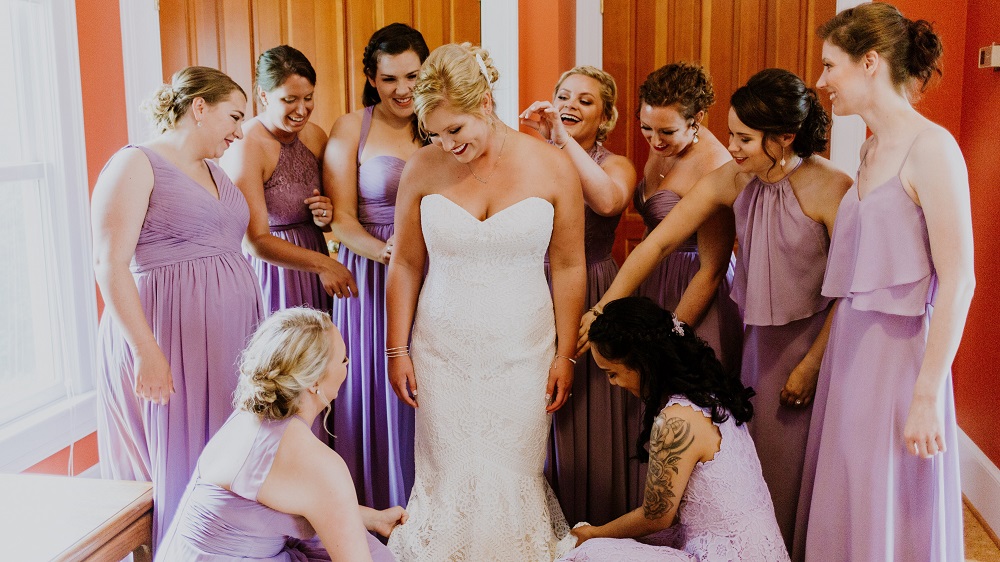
x=461, y=75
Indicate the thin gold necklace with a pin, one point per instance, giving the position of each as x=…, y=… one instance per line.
x=495, y=167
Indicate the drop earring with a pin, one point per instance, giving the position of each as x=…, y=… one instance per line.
x=782, y=163
x=199, y=123
x=695, y=139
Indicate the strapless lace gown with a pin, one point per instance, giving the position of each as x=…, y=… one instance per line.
x=483, y=341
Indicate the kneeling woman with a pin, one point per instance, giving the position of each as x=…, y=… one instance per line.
x=265, y=488
x=703, y=468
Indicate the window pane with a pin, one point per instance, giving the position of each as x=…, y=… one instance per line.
x=10, y=145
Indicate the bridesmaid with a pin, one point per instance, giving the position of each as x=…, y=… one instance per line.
x=362, y=164
x=592, y=480
x=672, y=104
x=885, y=446
x=277, y=167
x=785, y=198
x=176, y=323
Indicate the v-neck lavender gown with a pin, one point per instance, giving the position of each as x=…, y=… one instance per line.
x=202, y=302
x=218, y=525
x=870, y=498
x=721, y=327
x=374, y=429
x=295, y=177
x=589, y=465
x=779, y=272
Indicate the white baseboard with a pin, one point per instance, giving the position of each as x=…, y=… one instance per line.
x=980, y=481
x=92, y=472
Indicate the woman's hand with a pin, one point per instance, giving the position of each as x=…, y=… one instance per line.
x=385, y=520
x=153, y=379
x=403, y=380
x=548, y=124
x=583, y=344
x=386, y=254
x=583, y=533
x=321, y=208
x=337, y=280
x=924, y=429
x=559, y=384
x=800, y=388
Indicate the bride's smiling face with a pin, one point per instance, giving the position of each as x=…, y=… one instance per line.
x=465, y=135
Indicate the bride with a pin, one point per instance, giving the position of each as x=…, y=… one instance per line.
x=491, y=351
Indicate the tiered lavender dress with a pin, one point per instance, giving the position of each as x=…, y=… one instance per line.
x=721, y=327
x=779, y=273
x=374, y=429
x=202, y=301
x=589, y=465
x=218, y=525
x=295, y=177
x=871, y=499
x=725, y=513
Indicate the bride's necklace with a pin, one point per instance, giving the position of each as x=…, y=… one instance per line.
x=495, y=167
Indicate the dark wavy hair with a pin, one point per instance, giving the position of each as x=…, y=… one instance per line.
x=777, y=102
x=637, y=333
x=682, y=83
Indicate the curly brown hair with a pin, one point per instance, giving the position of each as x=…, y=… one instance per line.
x=681, y=83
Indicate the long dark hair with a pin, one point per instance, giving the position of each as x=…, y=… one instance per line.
x=670, y=360
x=392, y=39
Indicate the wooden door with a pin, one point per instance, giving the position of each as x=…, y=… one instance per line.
x=230, y=34
x=732, y=39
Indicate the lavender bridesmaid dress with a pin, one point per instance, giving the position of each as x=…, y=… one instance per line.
x=295, y=177
x=218, y=525
x=721, y=327
x=589, y=465
x=374, y=429
x=202, y=301
x=779, y=271
x=870, y=498
x=724, y=514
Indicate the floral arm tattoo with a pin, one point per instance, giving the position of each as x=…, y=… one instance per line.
x=669, y=439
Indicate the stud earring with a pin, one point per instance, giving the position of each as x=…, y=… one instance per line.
x=199, y=123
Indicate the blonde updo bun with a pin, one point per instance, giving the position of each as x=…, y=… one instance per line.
x=171, y=101
x=286, y=356
x=452, y=74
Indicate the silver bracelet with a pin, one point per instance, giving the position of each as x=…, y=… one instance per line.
x=570, y=359
x=400, y=351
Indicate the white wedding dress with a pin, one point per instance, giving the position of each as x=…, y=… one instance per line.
x=483, y=341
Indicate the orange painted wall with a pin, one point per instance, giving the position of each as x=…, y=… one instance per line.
x=546, y=47
x=977, y=384
x=102, y=76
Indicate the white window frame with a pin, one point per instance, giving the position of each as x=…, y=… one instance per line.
x=72, y=414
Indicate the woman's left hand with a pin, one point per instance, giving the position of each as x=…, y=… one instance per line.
x=385, y=520
x=924, y=430
x=321, y=208
x=583, y=533
x=548, y=124
x=560, y=382
x=800, y=388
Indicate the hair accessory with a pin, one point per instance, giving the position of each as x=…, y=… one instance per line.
x=482, y=68
x=400, y=351
x=678, y=325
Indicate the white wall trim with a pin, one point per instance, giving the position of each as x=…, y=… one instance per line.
x=980, y=480
x=589, y=33
x=140, y=22
x=498, y=30
x=848, y=132
x=39, y=435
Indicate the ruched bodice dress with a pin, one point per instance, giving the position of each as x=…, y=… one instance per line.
x=720, y=327
x=482, y=343
x=725, y=513
x=214, y=524
x=870, y=498
x=374, y=429
x=589, y=464
x=202, y=301
x=779, y=273
x=295, y=177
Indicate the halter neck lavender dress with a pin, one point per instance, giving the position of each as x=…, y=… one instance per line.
x=295, y=177
x=374, y=429
x=870, y=499
x=721, y=326
x=218, y=525
x=589, y=465
x=202, y=300
x=779, y=272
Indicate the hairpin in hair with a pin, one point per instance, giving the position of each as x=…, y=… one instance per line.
x=482, y=68
x=678, y=325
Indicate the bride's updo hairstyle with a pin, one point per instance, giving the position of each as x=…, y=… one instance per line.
x=777, y=102
x=461, y=75
x=671, y=361
x=911, y=48
x=286, y=356
x=171, y=101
